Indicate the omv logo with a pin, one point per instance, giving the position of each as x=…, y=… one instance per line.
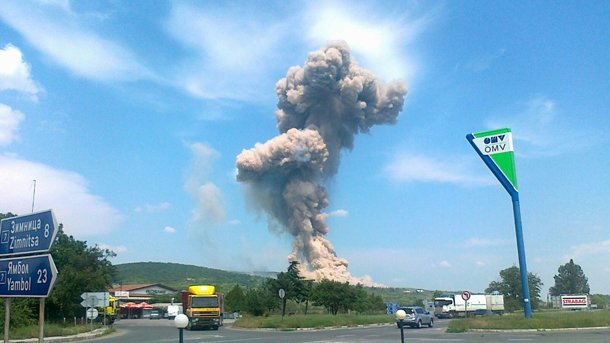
x=494, y=139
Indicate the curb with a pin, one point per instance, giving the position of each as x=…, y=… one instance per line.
x=58, y=339
x=542, y=330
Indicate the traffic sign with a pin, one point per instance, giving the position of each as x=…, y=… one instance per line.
x=282, y=293
x=31, y=276
x=92, y=313
x=95, y=299
x=32, y=233
x=466, y=295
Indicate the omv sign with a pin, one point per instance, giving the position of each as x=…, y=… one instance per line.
x=495, y=144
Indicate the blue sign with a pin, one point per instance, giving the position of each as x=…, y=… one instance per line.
x=31, y=276
x=32, y=233
x=392, y=308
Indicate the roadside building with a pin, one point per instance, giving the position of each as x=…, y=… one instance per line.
x=134, y=300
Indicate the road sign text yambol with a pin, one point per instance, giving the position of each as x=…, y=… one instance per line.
x=31, y=276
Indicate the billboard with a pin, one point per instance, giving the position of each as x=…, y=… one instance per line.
x=580, y=301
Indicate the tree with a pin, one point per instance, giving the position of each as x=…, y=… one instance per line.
x=334, y=296
x=570, y=280
x=235, y=300
x=81, y=269
x=254, y=303
x=510, y=286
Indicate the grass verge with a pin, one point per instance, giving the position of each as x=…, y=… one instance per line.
x=540, y=320
x=51, y=330
x=311, y=321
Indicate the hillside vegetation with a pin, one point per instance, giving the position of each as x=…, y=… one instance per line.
x=180, y=276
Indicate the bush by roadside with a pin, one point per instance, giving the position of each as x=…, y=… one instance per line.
x=311, y=321
x=539, y=321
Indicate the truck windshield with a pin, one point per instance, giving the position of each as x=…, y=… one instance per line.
x=439, y=303
x=205, y=302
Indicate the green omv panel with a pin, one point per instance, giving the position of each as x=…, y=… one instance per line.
x=498, y=145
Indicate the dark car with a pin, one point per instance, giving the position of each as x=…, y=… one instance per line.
x=155, y=314
x=416, y=317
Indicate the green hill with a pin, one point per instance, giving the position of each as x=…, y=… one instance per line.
x=180, y=276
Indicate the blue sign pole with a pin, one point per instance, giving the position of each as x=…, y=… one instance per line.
x=525, y=289
x=495, y=148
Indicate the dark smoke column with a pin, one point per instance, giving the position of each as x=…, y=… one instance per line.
x=321, y=106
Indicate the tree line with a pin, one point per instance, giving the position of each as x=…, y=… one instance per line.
x=570, y=279
x=335, y=297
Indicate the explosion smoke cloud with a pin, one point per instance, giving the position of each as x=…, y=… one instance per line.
x=321, y=106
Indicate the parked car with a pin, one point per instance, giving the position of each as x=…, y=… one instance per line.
x=416, y=317
x=155, y=314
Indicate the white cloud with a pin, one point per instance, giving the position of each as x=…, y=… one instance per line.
x=484, y=242
x=148, y=208
x=484, y=62
x=117, y=249
x=588, y=249
x=9, y=124
x=377, y=38
x=540, y=129
x=82, y=213
x=66, y=41
x=338, y=213
x=15, y=72
x=234, y=222
x=444, y=264
x=232, y=51
x=209, y=208
x=480, y=263
x=169, y=229
x=406, y=167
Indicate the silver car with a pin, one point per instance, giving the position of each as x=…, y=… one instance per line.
x=416, y=317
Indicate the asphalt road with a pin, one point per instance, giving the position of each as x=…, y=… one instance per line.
x=153, y=331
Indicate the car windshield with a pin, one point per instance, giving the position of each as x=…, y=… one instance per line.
x=407, y=310
x=438, y=303
x=205, y=302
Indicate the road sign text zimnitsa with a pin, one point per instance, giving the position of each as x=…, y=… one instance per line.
x=33, y=233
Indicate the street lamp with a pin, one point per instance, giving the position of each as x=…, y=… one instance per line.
x=401, y=315
x=181, y=321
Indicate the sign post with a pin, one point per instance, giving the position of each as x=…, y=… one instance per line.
x=466, y=296
x=25, y=269
x=496, y=149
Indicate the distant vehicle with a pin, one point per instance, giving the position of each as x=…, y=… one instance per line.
x=173, y=311
x=203, y=306
x=155, y=313
x=416, y=317
x=452, y=305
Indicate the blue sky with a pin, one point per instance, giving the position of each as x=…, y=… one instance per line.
x=130, y=115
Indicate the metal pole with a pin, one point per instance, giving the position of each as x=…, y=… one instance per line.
x=41, y=321
x=527, y=306
x=33, y=196
x=181, y=335
x=7, y=318
x=402, y=332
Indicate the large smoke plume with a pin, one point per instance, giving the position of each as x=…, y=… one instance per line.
x=321, y=106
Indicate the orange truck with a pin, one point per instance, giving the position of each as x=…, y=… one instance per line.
x=203, y=307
